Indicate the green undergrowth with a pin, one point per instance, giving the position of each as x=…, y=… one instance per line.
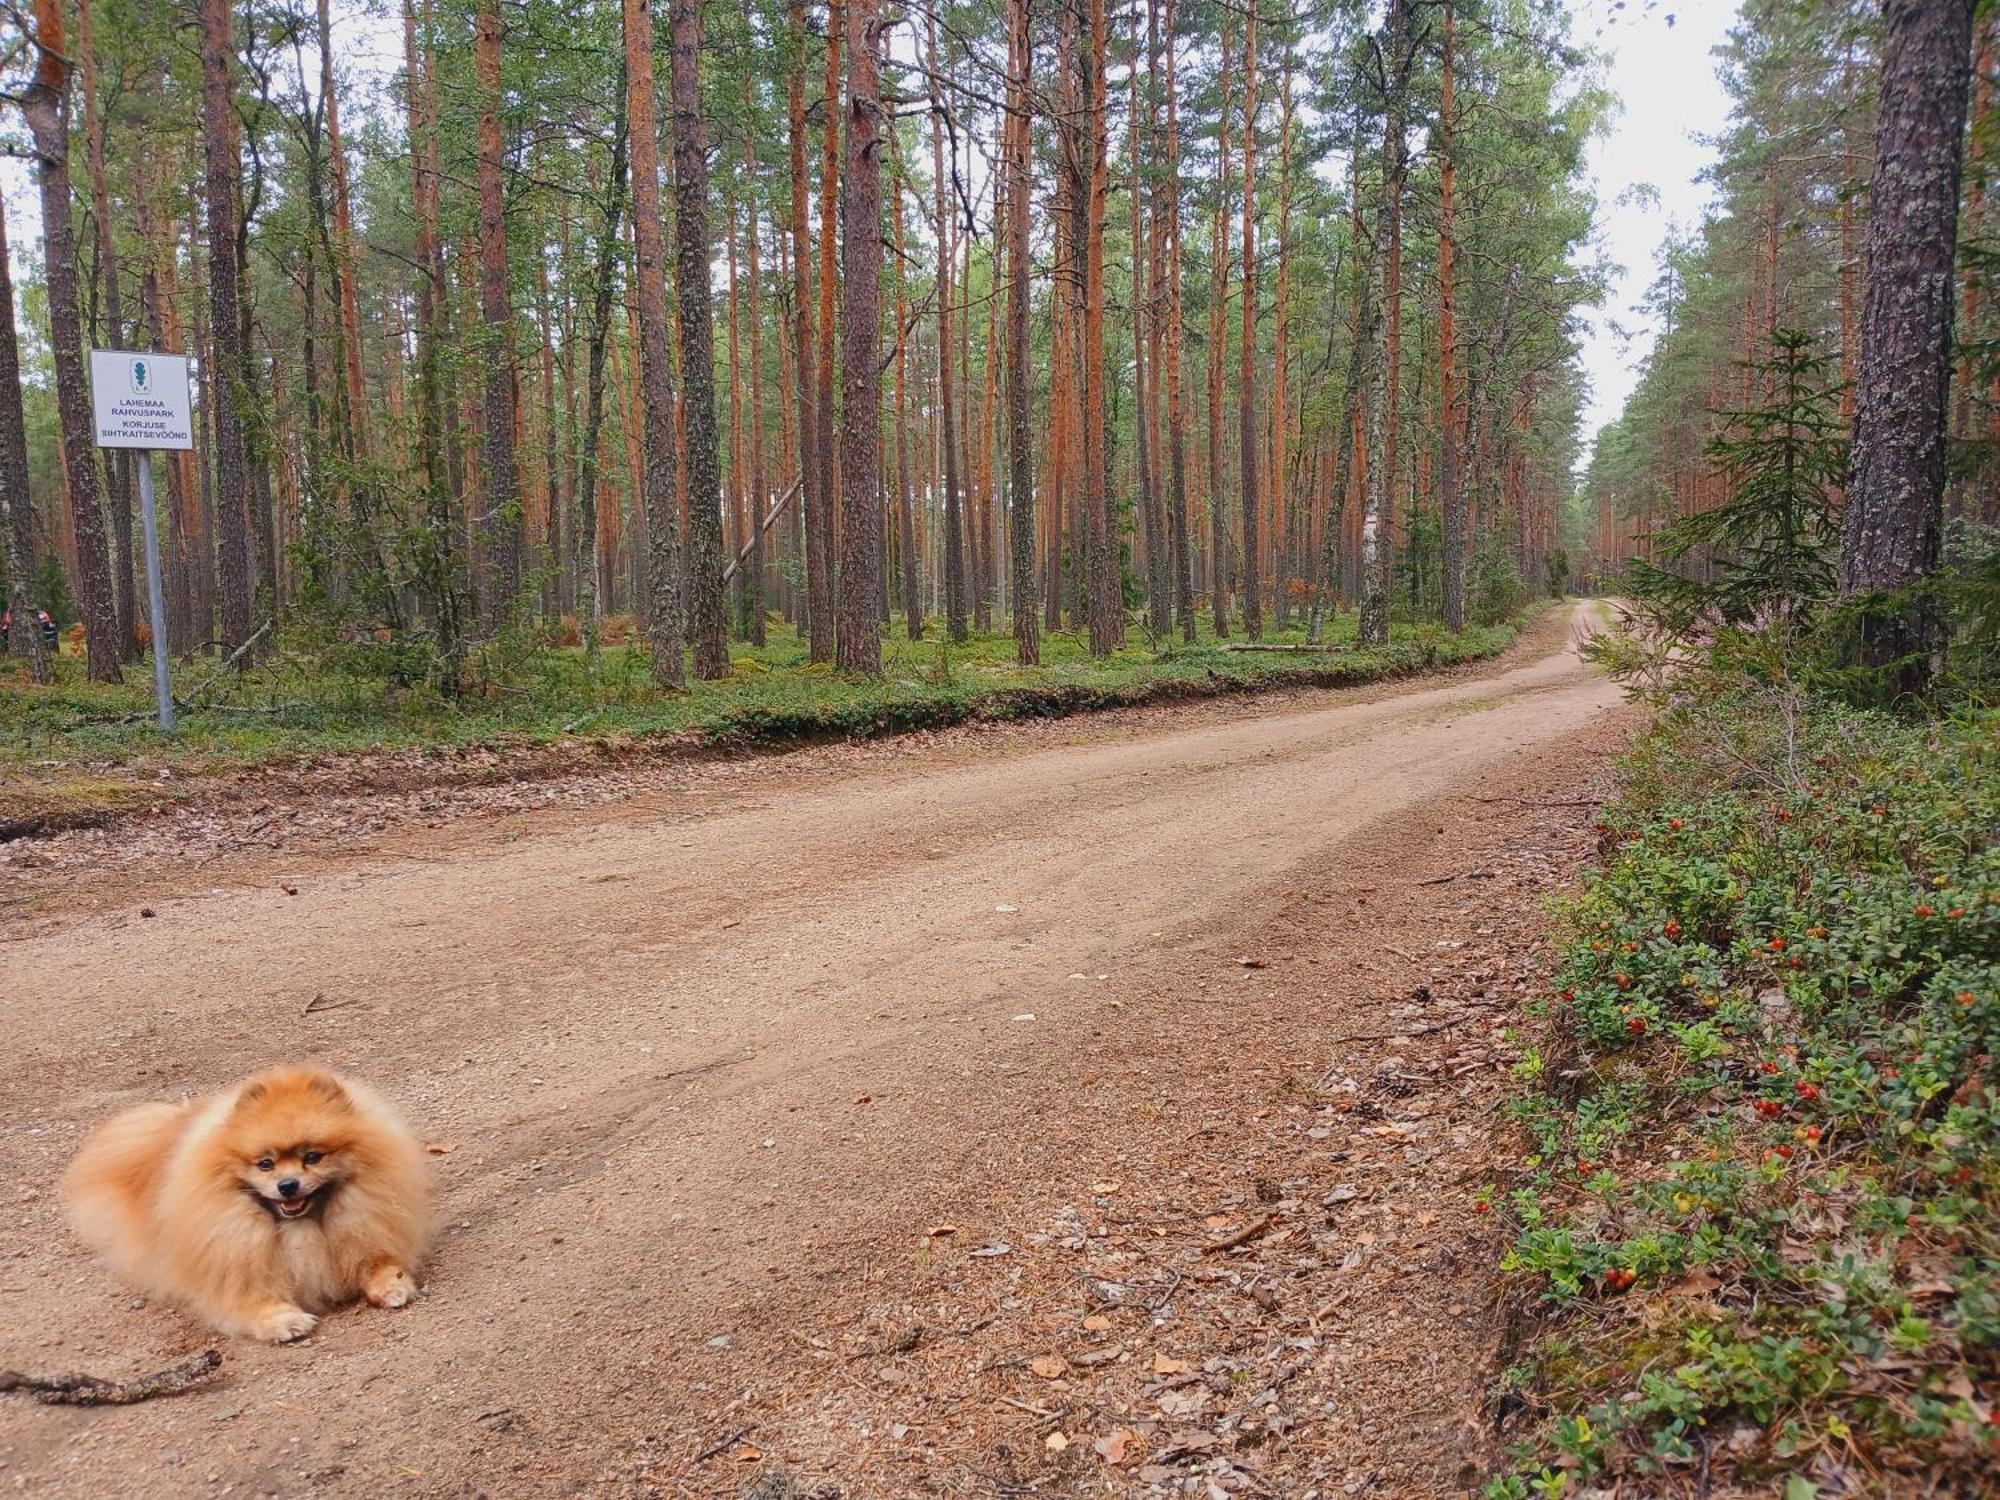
x=300, y=705
x=1755, y=1241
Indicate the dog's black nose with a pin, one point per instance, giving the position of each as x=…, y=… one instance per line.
x=288, y=1187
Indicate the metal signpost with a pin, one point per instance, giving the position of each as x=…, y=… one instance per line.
x=140, y=400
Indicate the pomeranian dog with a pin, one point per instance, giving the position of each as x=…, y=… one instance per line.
x=261, y=1207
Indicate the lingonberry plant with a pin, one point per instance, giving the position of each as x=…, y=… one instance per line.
x=1756, y=1230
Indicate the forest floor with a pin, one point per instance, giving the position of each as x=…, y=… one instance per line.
x=1092, y=1107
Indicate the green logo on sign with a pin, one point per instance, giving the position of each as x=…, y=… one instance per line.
x=142, y=377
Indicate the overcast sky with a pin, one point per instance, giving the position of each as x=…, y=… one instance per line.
x=1661, y=68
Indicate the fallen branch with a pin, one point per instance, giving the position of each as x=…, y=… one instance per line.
x=1458, y=875
x=1242, y=1236
x=1289, y=649
x=92, y=1390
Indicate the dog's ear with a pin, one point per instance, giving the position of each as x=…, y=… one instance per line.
x=326, y=1088
x=250, y=1093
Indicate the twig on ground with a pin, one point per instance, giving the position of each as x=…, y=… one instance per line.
x=1242, y=1236
x=93, y=1390
x=735, y=1437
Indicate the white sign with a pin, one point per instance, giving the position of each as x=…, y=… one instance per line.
x=141, y=399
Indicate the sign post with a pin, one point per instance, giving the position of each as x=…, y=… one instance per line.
x=140, y=400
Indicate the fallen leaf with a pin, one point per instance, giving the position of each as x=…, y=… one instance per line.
x=1165, y=1366
x=1113, y=1446
x=748, y=1453
x=1101, y=1188
x=1097, y=1323
x=939, y=1231
x=1255, y=963
x=1049, y=1366
x=1055, y=1442
x=441, y=1148
x=992, y=1251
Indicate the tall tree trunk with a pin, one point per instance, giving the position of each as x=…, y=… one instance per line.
x=45, y=105
x=708, y=616
x=502, y=520
x=660, y=487
x=1177, y=515
x=1218, y=304
x=1107, y=600
x=814, y=500
x=1378, y=551
x=906, y=525
x=1020, y=451
x=225, y=326
x=437, y=571
x=1246, y=377
x=1158, y=614
x=1281, y=416
x=1451, y=502
x=753, y=585
x=822, y=537
x=343, y=247
x=24, y=636
x=1894, y=500
x=954, y=521
x=117, y=463
x=858, y=641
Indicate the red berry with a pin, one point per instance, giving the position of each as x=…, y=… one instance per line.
x=1675, y=824
x=1623, y=981
x=1480, y=1208
x=1784, y=1153
x=1926, y=910
x=1770, y=1109
x=1672, y=929
x=1636, y=1025
x=1806, y=1090
x=1776, y=945
x=1767, y=1067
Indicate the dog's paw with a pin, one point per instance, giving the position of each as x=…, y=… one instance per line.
x=390, y=1286
x=283, y=1324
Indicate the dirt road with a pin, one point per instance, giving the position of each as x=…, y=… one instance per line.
x=703, y=1073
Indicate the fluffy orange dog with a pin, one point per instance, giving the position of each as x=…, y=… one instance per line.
x=261, y=1207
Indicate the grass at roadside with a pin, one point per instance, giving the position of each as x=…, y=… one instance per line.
x=1756, y=1241
x=292, y=706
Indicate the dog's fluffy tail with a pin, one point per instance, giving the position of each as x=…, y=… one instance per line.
x=109, y=1188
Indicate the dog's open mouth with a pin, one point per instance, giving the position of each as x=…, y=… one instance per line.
x=295, y=1208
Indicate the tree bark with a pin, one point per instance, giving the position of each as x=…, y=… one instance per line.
x=1894, y=501
x=906, y=526
x=954, y=519
x=1158, y=611
x=44, y=103
x=1451, y=503
x=1020, y=451
x=501, y=581
x=1218, y=299
x=660, y=486
x=1246, y=377
x=858, y=643
x=1177, y=515
x=24, y=636
x=813, y=498
x=753, y=585
x=1107, y=601
x=117, y=464
x=820, y=531
x=1378, y=553
x=708, y=615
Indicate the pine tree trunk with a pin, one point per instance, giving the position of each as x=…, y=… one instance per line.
x=24, y=636
x=501, y=527
x=1894, y=499
x=813, y=499
x=44, y=104
x=1020, y=450
x=1218, y=297
x=858, y=641
x=1451, y=502
x=954, y=518
x=753, y=585
x=1378, y=552
x=659, y=488
x=906, y=525
x=1107, y=601
x=1246, y=377
x=821, y=531
x=1281, y=418
x=708, y=616
x=1157, y=611
x=225, y=380
x=1177, y=514
x=117, y=464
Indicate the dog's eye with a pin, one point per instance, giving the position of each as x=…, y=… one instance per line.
x=310, y=1158
x=265, y=1164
